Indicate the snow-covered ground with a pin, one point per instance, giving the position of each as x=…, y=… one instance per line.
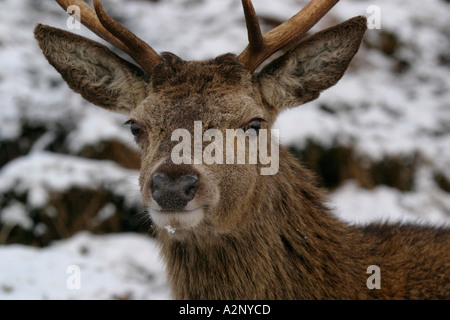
x=394, y=104
x=86, y=266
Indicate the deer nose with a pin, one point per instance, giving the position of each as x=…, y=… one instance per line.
x=173, y=194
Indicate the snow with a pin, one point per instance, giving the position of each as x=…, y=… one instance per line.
x=373, y=109
x=40, y=173
x=114, y=266
x=169, y=229
x=15, y=214
x=384, y=204
x=389, y=113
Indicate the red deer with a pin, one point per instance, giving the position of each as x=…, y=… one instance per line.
x=225, y=230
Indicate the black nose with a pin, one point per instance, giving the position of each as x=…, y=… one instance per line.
x=173, y=194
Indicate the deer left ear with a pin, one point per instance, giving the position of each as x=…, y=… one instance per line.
x=91, y=69
x=315, y=64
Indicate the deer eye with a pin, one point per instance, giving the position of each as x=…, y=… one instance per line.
x=254, y=124
x=135, y=129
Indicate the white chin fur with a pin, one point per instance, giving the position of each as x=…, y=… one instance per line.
x=171, y=221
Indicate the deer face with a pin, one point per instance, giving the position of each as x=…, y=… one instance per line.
x=222, y=94
x=219, y=94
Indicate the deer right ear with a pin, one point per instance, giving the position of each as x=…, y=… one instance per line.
x=315, y=64
x=91, y=69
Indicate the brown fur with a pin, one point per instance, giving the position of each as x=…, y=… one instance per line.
x=93, y=70
x=292, y=247
x=244, y=235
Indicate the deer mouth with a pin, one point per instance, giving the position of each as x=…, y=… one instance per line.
x=179, y=197
x=172, y=220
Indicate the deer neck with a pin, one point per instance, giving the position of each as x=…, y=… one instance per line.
x=278, y=254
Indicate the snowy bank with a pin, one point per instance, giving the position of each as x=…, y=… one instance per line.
x=116, y=266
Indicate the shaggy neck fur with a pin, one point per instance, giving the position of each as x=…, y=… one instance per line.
x=290, y=246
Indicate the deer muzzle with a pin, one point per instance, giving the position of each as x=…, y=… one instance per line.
x=173, y=194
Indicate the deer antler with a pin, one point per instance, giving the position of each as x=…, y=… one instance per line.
x=117, y=35
x=261, y=47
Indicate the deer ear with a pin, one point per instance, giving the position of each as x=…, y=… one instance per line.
x=92, y=70
x=315, y=64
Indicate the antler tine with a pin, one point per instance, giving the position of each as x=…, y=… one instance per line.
x=255, y=37
x=89, y=18
x=120, y=37
x=139, y=50
x=279, y=37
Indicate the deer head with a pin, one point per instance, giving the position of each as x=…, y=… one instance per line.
x=165, y=93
